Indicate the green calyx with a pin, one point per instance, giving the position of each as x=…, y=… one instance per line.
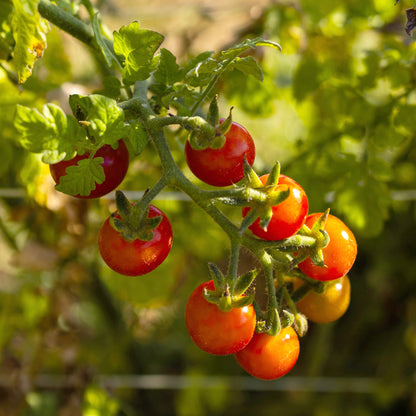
x=266, y=195
x=132, y=221
x=322, y=240
x=228, y=295
x=209, y=133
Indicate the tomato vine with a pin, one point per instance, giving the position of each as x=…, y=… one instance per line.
x=154, y=93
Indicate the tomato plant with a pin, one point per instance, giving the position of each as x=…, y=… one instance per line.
x=269, y=357
x=288, y=216
x=137, y=257
x=215, y=331
x=115, y=165
x=327, y=306
x=153, y=98
x=224, y=166
x=339, y=255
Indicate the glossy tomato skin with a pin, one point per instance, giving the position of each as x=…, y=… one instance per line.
x=138, y=257
x=288, y=216
x=222, y=167
x=328, y=306
x=215, y=331
x=115, y=165
x=339, y=255
x=269, y=357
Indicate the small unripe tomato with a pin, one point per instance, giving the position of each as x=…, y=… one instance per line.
x=327, y=306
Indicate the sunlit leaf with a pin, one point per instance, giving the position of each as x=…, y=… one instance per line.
x=104, y=43
x=29, y=32
x=104, y=118
x=51, y=133
x=137, y=47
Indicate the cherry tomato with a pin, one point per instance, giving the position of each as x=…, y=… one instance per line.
x=329, y=305
x=339, y=254
x=115, y=165
x=137, y=257
x=269, y=357
x=215, y=331
x=288, y=216
x=224, y=166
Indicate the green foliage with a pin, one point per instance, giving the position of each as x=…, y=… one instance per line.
x=51, y=133
x=29, y=32
x=137, y=47
x=103, y=119
x=337, y=108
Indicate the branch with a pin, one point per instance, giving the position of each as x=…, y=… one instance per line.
x=66, y=22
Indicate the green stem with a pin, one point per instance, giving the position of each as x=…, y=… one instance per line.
x=89, y=7
x=273, y=325
x=184, y=121
x=152, y=193
x=66, y=22
x=300, y=293
x=172, y=173
x=208, y=89
x=233, y=265
x=290, y=301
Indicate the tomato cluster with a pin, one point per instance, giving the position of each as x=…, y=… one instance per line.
x=219, y=316
x=133, y=257
x=234, y=332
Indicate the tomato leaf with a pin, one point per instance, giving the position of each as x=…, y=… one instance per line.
x=138, y=137
x=29, y=32
x=248, y=66
x=82, y=178
x=104, y=43
x=168, y=71
x=237, y=50
x=105, y=119
x=51, y=133
x=137, y=47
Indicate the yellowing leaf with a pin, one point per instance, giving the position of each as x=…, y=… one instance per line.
x=29, y=32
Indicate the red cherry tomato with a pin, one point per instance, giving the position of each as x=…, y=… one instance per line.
x=288, y=216
x=222, y=167
x=115, y=165
x=215, y=331
x=339, y=255
x=138, y=257
x=327, y=306
x=269, y=357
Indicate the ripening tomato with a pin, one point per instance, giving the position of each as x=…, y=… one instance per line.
x=339, y=255
x=269, y=357
x=137, y=257
x=215, y=331
x=224, y=166
x=115, y=165
x=288, y=216
x=327, y=306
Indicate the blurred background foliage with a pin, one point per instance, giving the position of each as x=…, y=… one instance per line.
x=337, y=110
